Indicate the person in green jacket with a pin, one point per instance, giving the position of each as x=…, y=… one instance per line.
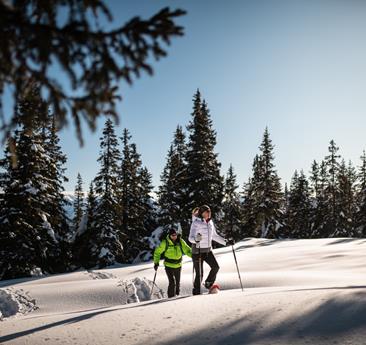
x=173, y=247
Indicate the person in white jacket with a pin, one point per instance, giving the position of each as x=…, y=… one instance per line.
x=201, y=235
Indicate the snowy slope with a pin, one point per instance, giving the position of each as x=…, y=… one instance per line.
x=296, y=292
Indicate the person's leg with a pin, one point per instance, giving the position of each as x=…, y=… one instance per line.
x=211, y=261
x=177, y=272
x=197, y=268
x=171, y=287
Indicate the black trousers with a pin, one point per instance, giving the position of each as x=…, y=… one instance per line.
x=174, y=280
x=198, y=260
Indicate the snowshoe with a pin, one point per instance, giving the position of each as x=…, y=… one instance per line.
x=215, y=288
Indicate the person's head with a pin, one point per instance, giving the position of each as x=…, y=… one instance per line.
x=196, y=211
x=173, y=234
x=205, y=212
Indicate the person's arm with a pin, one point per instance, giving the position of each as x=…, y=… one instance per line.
x=157, y=253
x=186, y=248
x=195, y=213
x=216, y=237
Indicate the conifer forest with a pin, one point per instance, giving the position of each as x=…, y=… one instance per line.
x=115, y=214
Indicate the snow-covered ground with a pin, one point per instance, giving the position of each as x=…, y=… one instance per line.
x=295, y=292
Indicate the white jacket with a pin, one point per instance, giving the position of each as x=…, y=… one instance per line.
x=207, y=231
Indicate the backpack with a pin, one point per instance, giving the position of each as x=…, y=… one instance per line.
x=163, y=238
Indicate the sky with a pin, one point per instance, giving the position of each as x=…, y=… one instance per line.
x=296, y=67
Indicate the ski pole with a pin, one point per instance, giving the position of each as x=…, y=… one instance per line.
x=152, y=288
x=237, y=267
x=200, y=265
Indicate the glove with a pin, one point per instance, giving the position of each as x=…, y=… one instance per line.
x=198, y=237
x=156, y=267
x=230, y=242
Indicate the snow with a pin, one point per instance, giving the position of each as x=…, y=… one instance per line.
x=295, y=292
x=30, y=189
x=15, y=302
x=46, y=225
x=104, y=252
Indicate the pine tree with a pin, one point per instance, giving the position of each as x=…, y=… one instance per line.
x=172, y=191
x=136, y=207
x=78, y=204
x=91, y=210
x=203, y=180
x=314, y=194
x=55, y=173
x=28, y=243
x=321, y=210
x=127, y=197
x=298, y=215
x=83, y=250
x=148, y=205
x=107, y=248
x=249, y=228
x=360, y=222
x=346, y=203
x=314, y=179
x=266, y=193
x=331, y=190
x=231, y=223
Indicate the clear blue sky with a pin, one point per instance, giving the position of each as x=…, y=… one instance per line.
x=298, y=67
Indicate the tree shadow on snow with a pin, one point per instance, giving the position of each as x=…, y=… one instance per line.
x=332, y=320
x=51, y=325
x=25, y=280
x=265, y=243
x=342, y=240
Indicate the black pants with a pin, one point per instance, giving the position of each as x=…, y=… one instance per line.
x=174, y=280
x=198, y=265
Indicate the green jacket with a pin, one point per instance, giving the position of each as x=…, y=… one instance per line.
x=172, y=252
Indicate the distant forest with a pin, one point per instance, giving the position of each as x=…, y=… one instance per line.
x=114, y=223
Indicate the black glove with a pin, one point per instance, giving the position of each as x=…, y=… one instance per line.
x=156, y=267
x=230, y=242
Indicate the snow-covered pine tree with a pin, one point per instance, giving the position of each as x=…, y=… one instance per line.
x=203, y=180
x=360, y=218
x=346, y=201
x=147, y=213
x=331, y=190
x=79, y=207
x=148, y=205
x=298, y=215
x=267, y=193
x=5, y=166
x=107, y=248
x=55, y=172
x=172, y=190
x=231, y=223
x=286, y=196
x=134, y=188
x=84, y=242
x=249, y=200
x=314, y=194
x=91, y=209
x=130, y=224
x=28, y=243
x=321, y=206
